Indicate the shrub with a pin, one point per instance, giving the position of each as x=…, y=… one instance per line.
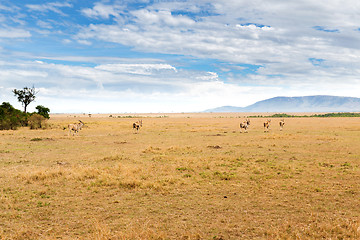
x=36, y=139
x=11, y=118
x=37, y=121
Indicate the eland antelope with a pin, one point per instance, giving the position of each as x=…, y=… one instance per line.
x=137, y=125
x=281, y=123
x=75, y=127
x=267, y=125
x=244, y=125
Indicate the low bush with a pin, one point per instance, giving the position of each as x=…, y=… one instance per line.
x=37, y=121
x=11, y=118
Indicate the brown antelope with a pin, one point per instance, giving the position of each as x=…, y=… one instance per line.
x=281, y=123
x=244, y=125
x=75, y=127
x=137, y=125
x=267, y=125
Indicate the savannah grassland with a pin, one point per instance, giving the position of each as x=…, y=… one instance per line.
x=184, y=176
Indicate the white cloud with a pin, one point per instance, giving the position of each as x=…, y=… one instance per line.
x=7, y=8
x=112, y=84
x=66, y=41
x=14, y=33
x=210, y=76
x=17, y=73
x=84, y=42
x=122, y=88
x=162, y=17
x=44, y=24
x=142, y=69
x=258, y=37
x=50, y=6
x=101, y=10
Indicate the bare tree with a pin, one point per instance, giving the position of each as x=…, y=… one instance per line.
x=25, y=96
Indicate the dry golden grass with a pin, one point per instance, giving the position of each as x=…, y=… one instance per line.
x=184, y=176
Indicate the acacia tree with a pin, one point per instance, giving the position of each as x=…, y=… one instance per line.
x=25, y=96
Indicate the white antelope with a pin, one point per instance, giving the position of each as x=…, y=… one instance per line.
x=244, y=125
x=267, y=125
x=75, y=127
x=137, y=125
x=281, y=123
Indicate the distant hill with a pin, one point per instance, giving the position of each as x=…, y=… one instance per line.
x=320, y=103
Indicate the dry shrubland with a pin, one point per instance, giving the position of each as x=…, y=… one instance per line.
x=181, y=177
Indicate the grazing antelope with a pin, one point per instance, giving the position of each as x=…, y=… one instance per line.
x=137, y=125
x=281, y=123
x=244, y=125
x=75, y=127
x=267, y=125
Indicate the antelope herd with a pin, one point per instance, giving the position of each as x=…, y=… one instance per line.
x=245, y=125
x=76, y=127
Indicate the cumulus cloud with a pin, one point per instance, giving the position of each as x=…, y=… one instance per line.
x=236, y=31
x=161, y=18
x=101, y=10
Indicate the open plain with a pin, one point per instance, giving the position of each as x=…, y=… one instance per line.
x=181, y=176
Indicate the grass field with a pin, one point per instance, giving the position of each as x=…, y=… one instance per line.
x=182, y=176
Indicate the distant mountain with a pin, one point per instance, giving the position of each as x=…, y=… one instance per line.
x=320, y=103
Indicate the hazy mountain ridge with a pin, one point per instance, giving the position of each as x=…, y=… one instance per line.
x=319, y=103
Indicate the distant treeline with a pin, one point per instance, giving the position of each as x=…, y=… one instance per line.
x=326, y=115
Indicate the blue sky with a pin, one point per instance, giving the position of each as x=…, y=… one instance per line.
x=116, y=56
